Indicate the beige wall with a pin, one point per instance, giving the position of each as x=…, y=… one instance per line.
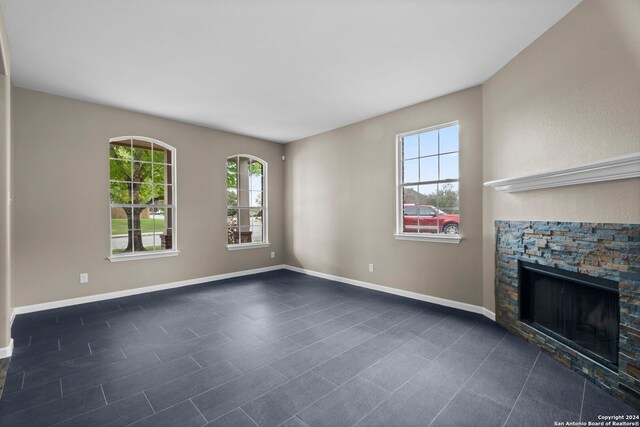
x=61, y=200
x=571, y=97
x=5, y=187
x=341, y=203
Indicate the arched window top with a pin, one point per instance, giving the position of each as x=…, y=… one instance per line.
x=142, y=197
x=143, y=139
x=246, y=201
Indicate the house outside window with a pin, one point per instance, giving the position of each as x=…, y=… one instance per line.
x=142, y=198
x=428, y=184
x=246, y=202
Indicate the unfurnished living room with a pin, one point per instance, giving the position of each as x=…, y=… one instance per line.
x=319, y=213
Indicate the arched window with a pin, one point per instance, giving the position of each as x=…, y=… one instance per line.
x=246, y=202
x=142, y=200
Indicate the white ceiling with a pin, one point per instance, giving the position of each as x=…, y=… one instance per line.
x=274, y=69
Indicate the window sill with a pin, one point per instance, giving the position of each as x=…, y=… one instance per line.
x=433, y=238
x=241, y=246
x=131, y=257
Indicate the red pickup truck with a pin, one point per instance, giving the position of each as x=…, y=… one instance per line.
x=429, y=219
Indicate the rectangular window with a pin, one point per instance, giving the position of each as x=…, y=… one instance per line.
x=428, y=184
x=141, y=198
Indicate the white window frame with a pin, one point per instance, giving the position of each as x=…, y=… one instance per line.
x=265, y=203
x=421, y=237
x=174, y=236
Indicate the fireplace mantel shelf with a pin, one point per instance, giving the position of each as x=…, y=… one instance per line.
x=615, y=168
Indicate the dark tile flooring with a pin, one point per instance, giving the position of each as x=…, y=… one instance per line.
x=283, y=349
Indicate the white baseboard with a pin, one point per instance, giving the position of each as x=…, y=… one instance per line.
x=118, y=294
x=400, y=292
x=128, y=292
x=6, y=351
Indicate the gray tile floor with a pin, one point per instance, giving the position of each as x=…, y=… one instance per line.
x=283, y=349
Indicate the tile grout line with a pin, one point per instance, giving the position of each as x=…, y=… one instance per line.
x=206, y=420
x=148, y=401
x=584, y=389
x=357, y=375
x=467, y=380
x=522, y=389
x=391, y=393
x=104, y=395
x=191, y=357
x=61, y=391
x=309, y=314
x=245, y=412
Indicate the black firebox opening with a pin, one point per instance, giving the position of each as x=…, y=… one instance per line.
x=579, y=310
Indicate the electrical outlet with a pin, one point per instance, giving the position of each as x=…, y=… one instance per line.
x=84, y=277
x=370, y=268
x=273, y=254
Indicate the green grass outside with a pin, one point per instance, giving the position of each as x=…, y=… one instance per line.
x=119, y=226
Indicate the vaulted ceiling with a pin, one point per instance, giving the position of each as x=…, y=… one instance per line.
x=274, y=69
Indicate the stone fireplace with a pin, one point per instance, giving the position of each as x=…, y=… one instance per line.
x=573, y=289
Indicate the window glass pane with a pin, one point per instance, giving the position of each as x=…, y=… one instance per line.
x=141, y=150
x=141, y=172
x=232, y=197
x=232, y=165
x=410, y=195
x=257, y=233
x=410, y=171
x=449, y=139
x=166, y=239
x=449, y=166
x=255, y=168
x=255, y=217
x=449, y=198
x=119, y=242
x=410, y=147
x=120, y=170
x=244, y=198
x=157, y=223
x=429, y=168
x=118, y=222
x=120, y=150
x=161, y=174
x=160, y=193
x=168, y=194
x=120, y=192
x=232, y=180
x=255, y=182
x=428, y=195
x=142, y=193
x=245, y=233
x=232, y=227
x=159, y=154
x=428, y=143
x=255, y=198
x=151, y=241
x=243, y=217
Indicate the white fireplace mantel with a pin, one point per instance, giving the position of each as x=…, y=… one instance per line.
x=615, y=168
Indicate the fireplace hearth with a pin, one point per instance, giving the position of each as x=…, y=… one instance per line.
x=573, y=290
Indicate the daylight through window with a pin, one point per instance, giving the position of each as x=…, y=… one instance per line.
x=246, y=201
x=428, y=182
x=142, y=199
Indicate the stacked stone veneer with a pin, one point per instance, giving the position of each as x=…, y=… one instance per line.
x=610, y=251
